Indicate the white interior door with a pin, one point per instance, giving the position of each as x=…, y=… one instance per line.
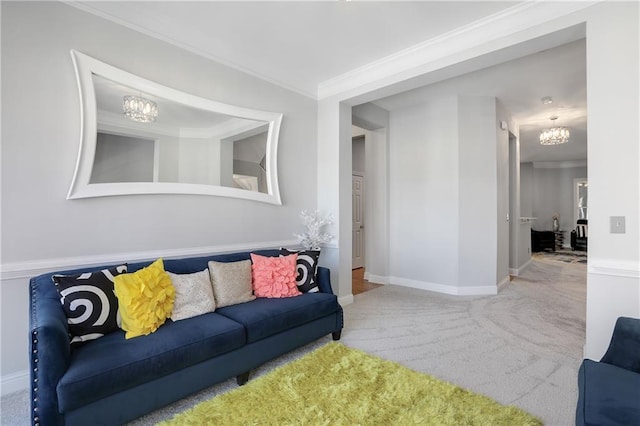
x=357, y=188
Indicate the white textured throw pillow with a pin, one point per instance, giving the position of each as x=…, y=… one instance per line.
x=231, y=282
x=194, y=295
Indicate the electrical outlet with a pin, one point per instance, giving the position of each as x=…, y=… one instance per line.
x=617, y=224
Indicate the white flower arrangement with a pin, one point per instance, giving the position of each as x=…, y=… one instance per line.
x=314, y=236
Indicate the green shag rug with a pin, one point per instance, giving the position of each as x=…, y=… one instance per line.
x=337, y=385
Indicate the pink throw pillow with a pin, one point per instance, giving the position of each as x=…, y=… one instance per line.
x=274, y=277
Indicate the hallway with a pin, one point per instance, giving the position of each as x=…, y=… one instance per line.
x=359, y=284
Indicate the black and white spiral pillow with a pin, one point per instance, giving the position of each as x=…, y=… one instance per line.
x=89, y=302
x=307, y=267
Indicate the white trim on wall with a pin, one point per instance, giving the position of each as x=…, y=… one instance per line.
x=377, y=279
x=345, y=300
x=411, y=61
x=502, y=284
x=438, y=288
x=28, y=269
x=445, y=289
x=14, y=382
x=520, y=270
x=614, y=268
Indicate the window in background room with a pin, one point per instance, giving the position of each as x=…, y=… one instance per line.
x=580, y=198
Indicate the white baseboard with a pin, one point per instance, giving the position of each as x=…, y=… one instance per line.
x=377, y=279
x=443, y=288
x=438, y=288
x=520, y=270
x=345, y=300
x=14, y=270
x=502, y=284
x=14, y=382
x=487, y=290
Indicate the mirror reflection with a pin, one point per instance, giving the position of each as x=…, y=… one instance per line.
x=139, y=137
x=180, y=145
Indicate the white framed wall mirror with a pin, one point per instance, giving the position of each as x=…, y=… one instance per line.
x=168, y=141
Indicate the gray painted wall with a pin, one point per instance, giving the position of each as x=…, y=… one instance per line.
x=547, y=191
x=526, y=189
x=526, y=210
x=374, y=122
x=449, y=195
x=40, y=139
x=358, y=158
x=424, y=181
x=478, y=197
x=503, y=194
x=552, y=193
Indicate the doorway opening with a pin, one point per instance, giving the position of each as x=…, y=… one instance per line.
x=359, y=284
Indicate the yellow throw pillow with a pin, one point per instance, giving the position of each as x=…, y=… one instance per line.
x=145, y=298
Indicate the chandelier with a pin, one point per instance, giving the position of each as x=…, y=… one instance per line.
x=554, y=135
x=140, y=109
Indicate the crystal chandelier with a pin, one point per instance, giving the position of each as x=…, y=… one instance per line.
x=554, y=135
x=140, y=109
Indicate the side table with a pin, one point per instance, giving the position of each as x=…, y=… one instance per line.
x=559, y=239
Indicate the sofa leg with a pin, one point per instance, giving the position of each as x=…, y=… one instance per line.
x=242, y=378
x=336, y=335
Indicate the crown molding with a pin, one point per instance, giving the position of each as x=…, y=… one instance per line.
x=410, y=62
x=87, y=7
x=404, y=64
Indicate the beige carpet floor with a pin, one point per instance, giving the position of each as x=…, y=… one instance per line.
x=521, y=347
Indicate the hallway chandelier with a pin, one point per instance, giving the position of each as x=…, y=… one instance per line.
x=554, y=135
x=140, y=109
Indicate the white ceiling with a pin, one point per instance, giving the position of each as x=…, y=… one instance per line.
x=520, y=85
x=296, y=44
x=299, y=45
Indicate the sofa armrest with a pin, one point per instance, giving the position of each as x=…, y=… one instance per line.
x=49, y=350
x=624, y=348
x=324, y=280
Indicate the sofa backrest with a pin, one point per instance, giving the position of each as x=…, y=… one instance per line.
x=196, y=264
x=44, y=282
x=185, y=265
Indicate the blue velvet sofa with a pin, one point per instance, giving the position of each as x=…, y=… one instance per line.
x=609, y=390
x=112, y=380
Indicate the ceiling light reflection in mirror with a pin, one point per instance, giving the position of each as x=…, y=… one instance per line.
x=194, y=146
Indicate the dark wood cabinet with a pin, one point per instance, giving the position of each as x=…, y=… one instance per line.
x=542, y=240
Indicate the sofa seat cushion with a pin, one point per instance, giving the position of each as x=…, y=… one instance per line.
x=608, y=395
x=265, y=317
x=112, y=364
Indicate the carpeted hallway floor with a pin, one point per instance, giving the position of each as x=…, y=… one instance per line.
x=521, y=347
